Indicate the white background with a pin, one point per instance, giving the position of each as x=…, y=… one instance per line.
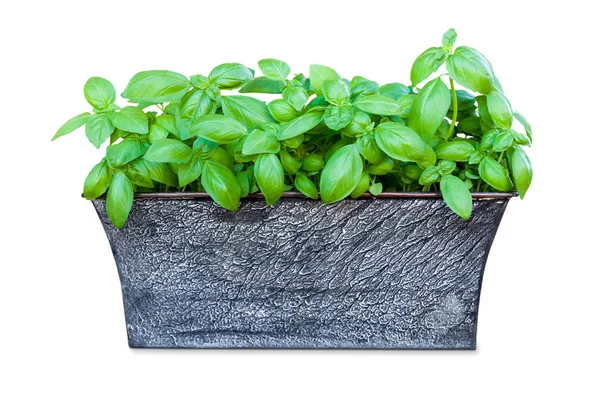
x=62, y=329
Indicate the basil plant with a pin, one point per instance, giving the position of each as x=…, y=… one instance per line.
x=324, y=136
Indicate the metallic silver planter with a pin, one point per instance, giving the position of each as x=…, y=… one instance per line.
x=397, y=272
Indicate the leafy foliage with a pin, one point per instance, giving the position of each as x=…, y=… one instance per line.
x=324, y=136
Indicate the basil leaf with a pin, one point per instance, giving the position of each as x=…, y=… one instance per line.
x=376, y=189
x=194, y=104
x=457, y=196
x=299, y=125
x=377, y=104
x=341, y=174
x=471, y=69
x=319, y=74
x=494, y=174
x=362, y=187
x=97, y=181
x=221, y=184
x=130, y=119
x=295, y=96
x=448, y=40
x=262, y=84
x=429, y=108
x=306, y=186
x=155, y=87
x=458, y=150
x=157, y=132
x=394, y=90
x=290, y=164
x=72, y=125
x=169, y=151
x=426, y=64
x=222, y=156
x=367, y=146
x=230, y=75
x=99, y=93
x=268, y=173
x=429, y=158
x=520, y=167
x=360, y=86
x=258, y=142
x=429, y=175
x=313, y=163
x=204, y=148
x=138, y=174
x=499, y=109
x=189, y=172
x=361, y=123
x=446, y=167
x=503, y=141
x=282, y=111
x=161, y=173
x=399, y=142
x=98, y=128
x=336, y=92
x=218, y=128
x=523, y=122
x=251, y=112
x=382, y=168
x=337, y=117
x=406, y=103
x=124, y=152
x=119, y=199
x=244, y=178
x=274, y=69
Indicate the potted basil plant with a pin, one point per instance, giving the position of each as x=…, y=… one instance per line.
x=340, y=214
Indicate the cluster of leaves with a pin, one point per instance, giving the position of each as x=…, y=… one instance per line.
x=326, y=136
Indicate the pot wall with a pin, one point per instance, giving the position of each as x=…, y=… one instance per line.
x=367, y=273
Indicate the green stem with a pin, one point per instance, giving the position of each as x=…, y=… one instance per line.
x=454, y=109
x=478, y=185
x=500, y=158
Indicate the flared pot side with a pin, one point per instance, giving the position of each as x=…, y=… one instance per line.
x=384, y=273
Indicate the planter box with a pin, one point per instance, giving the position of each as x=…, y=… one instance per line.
x=400, y=271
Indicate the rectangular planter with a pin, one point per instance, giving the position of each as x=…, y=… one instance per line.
x=400, y=271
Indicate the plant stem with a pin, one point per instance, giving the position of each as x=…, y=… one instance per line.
x=500, y=158
x=478, y=185
x=454, y=109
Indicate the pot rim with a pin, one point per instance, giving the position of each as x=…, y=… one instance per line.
x=384, y=195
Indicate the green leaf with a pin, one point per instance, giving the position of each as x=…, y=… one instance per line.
x=221, y=184
x=336, y=92
x=244, y=179
x=521, y=120
x=98, y=128
x=119, y=199
x=383, y=168
x=138, y=174
x=97, y=181
x=429, y=108
x=367, y=146
x=189, y=172
x=337, y=117
x=274, y=69
x=376, y=189
x=251, y=112
x=99, y=93
x=124, y=152
x=341, y=174
x=230, y=75
x=399, y=142
x=446, y=167
x=299, y=125
x=494, y=174
x=520, y=167
x=406, y=103
x=471, y=69
x=194, y=104
x=362, y=187
x=394, y=90
x=169, y=151
x=204, y=148
x=448, y=40
x=130, y=119
x=282, y=111
x=218, y=128
x=430, y=175
x=499, y=109
x=426, y=64
x=259, y=142
x=457, y=196
x=268, y=173
x=361, y=123
x=377, y=104
x=360, y=86
x=313, y=163
x=296, y=97
x=458, y=150
x=290, y=164
x=71, y=125
x=306, y=186
x=162, y=173
x=156, y=87
x=157, y=132
x=319, y=74
x=262, y=84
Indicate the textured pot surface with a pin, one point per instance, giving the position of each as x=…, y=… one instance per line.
x=367, y=273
